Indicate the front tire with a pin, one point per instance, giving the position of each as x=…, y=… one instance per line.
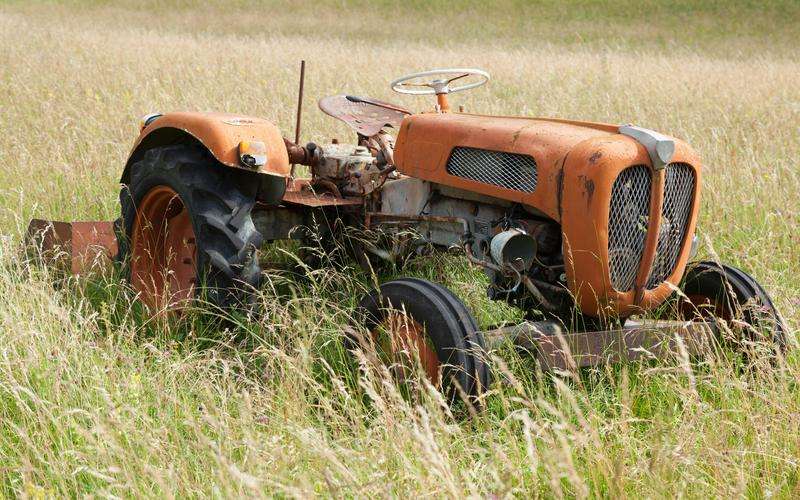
x=187, y=230
x=416, y=318
x=713, y=290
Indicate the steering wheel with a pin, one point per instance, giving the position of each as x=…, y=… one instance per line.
x=438, y=81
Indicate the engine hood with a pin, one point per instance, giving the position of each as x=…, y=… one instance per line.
x=426, y=142
x=567, y=171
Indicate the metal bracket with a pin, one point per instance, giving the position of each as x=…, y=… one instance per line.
x=658, y=146
x=557, y=349
x=77, y=247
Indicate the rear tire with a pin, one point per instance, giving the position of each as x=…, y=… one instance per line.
x=219, y=205
x=458, y=366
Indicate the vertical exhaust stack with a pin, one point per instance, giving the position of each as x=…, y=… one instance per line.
x=299, y=110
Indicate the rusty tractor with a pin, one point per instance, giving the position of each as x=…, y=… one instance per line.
x=584, y=226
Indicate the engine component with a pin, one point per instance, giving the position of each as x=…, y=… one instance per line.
x=546, y=233
x=514, y=247
x=340, y=161
x=351, y=168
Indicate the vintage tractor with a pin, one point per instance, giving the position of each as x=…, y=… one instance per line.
x=581, y=225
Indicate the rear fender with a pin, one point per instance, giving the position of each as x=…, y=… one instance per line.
x=220, y=133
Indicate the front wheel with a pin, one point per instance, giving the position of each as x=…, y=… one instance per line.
x=411, y=319
x=713, y=290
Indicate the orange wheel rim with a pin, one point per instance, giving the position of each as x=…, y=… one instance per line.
x=406, y=340
x=695, y=305
x=164, y=252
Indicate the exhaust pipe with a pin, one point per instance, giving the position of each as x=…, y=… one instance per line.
x=515, y=248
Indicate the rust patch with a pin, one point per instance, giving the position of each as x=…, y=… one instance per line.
x=516, y=134
x=595, y=156
x=365, y=116
x=588, y=188
x=560, y=185
x=300, y=192
x=76, y=247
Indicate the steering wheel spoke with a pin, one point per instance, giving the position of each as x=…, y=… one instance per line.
x=463, y=75
x=415, y=84
x=439, y=81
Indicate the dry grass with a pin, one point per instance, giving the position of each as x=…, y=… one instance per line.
x=95, y=399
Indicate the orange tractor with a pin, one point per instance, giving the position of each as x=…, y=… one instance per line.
x=584, y=226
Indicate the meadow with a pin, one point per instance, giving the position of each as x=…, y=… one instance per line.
x=97, y=399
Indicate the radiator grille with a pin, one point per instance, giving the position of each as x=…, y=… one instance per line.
x=627, y=225
x=678, y=193
x=506, y=170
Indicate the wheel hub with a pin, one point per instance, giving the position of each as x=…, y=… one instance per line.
x=164, y=252
x=403, y=338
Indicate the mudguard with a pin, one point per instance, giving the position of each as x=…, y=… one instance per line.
x=220, y=133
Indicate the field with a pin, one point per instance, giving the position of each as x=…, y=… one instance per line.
x=95, y=399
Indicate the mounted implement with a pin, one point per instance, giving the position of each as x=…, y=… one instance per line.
x=579, y=224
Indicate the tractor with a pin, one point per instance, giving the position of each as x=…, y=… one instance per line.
x=586, y=227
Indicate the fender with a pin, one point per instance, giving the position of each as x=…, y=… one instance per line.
x=220, y=133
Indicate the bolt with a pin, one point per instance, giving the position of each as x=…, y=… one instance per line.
x=248, y=160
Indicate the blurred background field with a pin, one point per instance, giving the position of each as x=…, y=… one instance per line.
x=95, y=399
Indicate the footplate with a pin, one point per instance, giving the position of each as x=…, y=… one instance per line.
x=561, y=350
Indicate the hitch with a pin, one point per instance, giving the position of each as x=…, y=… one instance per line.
x=75, y=247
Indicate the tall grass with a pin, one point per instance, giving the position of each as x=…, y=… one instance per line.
x=95, y=398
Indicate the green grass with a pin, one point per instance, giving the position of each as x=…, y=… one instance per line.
x=97, y=399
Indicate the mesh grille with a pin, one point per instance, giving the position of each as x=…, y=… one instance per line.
x=627, y=225
x=678, y=191
x=506, y=170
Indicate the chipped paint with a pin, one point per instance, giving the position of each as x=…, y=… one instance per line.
x=588, y=188
x=238, y=121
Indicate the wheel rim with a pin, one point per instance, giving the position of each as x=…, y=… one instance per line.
x=164, y=252
x=702, y=307
x=401, y=338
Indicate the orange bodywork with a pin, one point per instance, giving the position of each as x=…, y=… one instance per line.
x=221, y=133
x=577, y=164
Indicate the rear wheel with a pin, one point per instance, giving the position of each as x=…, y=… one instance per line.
x=715, y=290
x=187, y=228
x=410, y=319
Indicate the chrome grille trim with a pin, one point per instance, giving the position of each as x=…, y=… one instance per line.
x=497, y=168
x=627, y=225
x=679, y=187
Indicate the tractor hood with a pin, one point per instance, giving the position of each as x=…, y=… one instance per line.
x=426, y=143
x=519, y=159
x=624, y=237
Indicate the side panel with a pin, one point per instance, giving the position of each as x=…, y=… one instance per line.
x=220, y=133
